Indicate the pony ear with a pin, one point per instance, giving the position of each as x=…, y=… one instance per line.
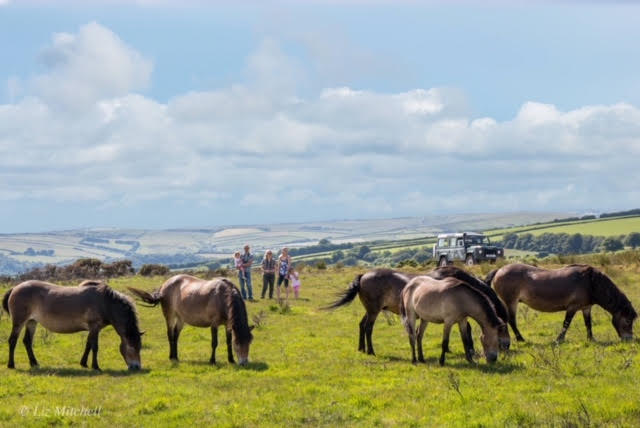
x=251, y=327
x=142, y=333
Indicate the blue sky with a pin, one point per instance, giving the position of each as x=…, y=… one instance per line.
x=150, y=114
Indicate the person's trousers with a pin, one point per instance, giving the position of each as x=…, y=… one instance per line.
x=268, y=279
x=246, y=278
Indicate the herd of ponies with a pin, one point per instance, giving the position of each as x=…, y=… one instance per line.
x=447, y=295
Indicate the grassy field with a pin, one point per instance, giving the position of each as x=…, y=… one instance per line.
x=305, y=371
x=599, y=227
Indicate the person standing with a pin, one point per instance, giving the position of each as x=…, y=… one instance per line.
x=247, y=261
x=284, y=263
x=268, y=273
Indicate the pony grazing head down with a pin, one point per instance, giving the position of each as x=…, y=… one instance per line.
x=623, y=323
x=125, y=320
x=240, y=329
x=609, y=296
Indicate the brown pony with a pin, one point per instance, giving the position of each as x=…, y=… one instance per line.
x=189, y=300
x=90, y=306
x=448, y=301
x=571, y=288
x=380, y=290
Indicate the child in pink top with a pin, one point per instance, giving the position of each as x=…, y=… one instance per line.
x=238, y=262
x=295, y=281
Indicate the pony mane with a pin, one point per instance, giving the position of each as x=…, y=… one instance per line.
x=91, y=283
x=123, y=304
x=486, y=304
x=609, y=296
x=237, y=313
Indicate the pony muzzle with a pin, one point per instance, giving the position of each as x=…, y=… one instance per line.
x=492, y=357
x=505, y=344
x=135, y=366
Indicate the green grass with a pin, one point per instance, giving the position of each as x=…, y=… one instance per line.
x=305, y=371
x=599, y=227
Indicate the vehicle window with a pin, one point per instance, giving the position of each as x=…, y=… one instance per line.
x=459, y=243
x=453, y=242
x=475, y=240
x=442, y=242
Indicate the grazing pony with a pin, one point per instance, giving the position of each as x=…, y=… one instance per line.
x=571, y=289
x=91, y=306
x=501, y=310
x=448, y=301
x=189, y=300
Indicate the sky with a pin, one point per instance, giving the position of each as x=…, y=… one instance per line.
x=161, y=114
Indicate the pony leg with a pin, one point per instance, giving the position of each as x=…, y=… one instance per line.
x=229, y=348
x=363, y=324
x=420, y=333
x=586, y=314
x=87, y=348
x=94, y=350
x=13, y=340
x=173, y=332
x=29, y=332
x=512, y=310
x=85, y=355
x=565, y=325
x=371, y=320
x=467, y=340
x=214, y=344
x=445, y=341
x=409, y=321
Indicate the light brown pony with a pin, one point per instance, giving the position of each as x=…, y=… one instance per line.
x=448, y=301
x=90, y=306
x=571, y=289
x=189, y=300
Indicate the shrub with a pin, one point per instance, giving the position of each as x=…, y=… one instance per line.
x=153, y=270
x=321, y=265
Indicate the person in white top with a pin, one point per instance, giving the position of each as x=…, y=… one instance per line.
x=294, y=276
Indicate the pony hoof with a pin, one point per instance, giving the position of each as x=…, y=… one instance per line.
x=11, y=366
x=421, y=360
x=96, y=368
x=520, y=339
x=84, y=365
x=212, y=362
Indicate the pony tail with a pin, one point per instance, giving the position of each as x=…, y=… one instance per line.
x=150, y=298
x=490, y=277
x=5, y=300
x=348, y=295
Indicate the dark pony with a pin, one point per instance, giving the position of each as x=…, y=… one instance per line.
x=379, y=290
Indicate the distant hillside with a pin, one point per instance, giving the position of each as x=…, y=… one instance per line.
x=178, y=246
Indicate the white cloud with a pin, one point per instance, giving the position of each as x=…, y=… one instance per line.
x=259, y=148
x=85, y=67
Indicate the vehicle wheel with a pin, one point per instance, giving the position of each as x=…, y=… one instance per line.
x=469, y=260
x=443, y=261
